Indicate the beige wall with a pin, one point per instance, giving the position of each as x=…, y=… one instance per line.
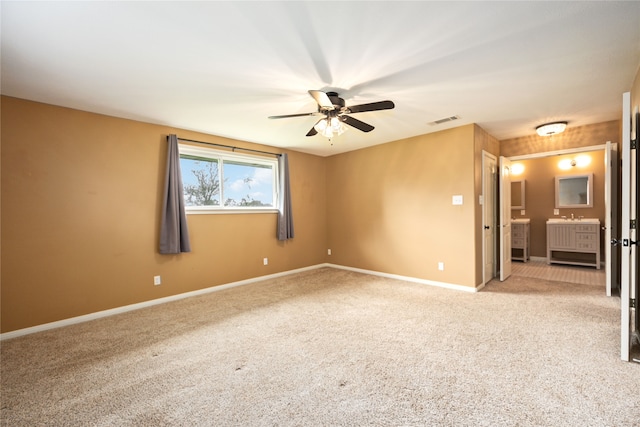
x=539, y=175
x=389, y=207
x=81, y=197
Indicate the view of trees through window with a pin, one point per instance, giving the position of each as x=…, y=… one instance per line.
x=208, y=181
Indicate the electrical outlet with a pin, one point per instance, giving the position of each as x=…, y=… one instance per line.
x=441, y=266
x=157, y=280
x=265, y=261
x=328, y=251
x=522, y=212
x=556, y=211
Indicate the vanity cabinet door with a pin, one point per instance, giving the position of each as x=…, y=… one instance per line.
x=562, y=236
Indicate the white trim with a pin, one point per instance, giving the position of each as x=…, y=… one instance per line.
x=151, y=303
x=145, y=304
x=558, y=152
x=192, y=210
x=408, y=279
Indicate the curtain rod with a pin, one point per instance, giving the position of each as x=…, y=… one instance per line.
x=231, y=146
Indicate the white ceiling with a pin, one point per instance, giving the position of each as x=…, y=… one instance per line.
x=223, y=67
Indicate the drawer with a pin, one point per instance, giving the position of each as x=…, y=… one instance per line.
x=517, y=234
x=586, y=246
x=584, y=237
x=517, y=243
x=588, y=228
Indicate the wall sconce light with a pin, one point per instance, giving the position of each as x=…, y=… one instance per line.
x=517, y=168
x=580, y=161
x=549, y=129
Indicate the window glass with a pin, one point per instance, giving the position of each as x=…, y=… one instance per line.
x=248, y=184
x=200, y=181
x=219, y=181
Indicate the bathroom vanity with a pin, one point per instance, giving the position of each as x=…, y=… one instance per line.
x=573, y=241
x=520, y=239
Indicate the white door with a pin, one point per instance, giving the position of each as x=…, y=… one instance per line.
x=505, y=218
x=488, y=216
x=610, y=219
x=628, y=234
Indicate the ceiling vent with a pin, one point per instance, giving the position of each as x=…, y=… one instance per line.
x=445, y=120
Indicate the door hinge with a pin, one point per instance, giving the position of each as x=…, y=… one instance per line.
x=633, y=224
x=634, y=144
x=632, y=303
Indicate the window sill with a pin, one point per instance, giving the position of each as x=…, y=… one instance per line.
x=229, y=211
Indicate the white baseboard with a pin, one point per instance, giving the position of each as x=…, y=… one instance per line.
x=408, y=279
x=145, y=304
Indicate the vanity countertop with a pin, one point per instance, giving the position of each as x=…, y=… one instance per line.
x=569, y=220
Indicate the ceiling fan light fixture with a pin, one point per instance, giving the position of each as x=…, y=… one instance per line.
x=321, y=125
x=335, y=118
x=337, y=126
x=549, y=129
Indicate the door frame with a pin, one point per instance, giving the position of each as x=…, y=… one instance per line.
x=611, y=232
x=491, y=222
x=576, y=150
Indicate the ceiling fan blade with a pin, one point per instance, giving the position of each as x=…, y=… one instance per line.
x=364, y=127
x=322, y=99
x=313, y=130
x=374, y=106
x=286, y=116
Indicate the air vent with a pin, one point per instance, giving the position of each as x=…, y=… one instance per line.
x=445, y=120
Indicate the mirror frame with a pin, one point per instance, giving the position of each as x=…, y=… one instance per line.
x=522, y=198
x=589, y=203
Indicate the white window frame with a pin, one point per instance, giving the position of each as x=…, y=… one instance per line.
x=222, y=156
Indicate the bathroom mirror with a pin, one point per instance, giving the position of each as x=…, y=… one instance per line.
x=517, y=194
x=574, y=191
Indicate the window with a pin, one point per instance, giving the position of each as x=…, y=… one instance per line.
x=217, y=181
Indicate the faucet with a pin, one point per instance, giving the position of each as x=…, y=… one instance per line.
x=572, y=218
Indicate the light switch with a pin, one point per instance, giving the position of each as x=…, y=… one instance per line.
x=457, y=200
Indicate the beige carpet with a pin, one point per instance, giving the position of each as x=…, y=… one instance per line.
x=334, y=348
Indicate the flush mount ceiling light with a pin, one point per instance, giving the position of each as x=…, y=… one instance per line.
x=549, y=129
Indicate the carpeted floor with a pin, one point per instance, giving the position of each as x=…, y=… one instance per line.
x=331, y=347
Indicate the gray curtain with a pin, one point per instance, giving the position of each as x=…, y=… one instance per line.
x=285, y=216
x=174, y=236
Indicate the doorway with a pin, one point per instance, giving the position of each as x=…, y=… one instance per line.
x=538, y=176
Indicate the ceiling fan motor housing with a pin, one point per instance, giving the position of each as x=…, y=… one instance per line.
x=336, y=100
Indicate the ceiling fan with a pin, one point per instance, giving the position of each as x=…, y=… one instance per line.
x=336, y=114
